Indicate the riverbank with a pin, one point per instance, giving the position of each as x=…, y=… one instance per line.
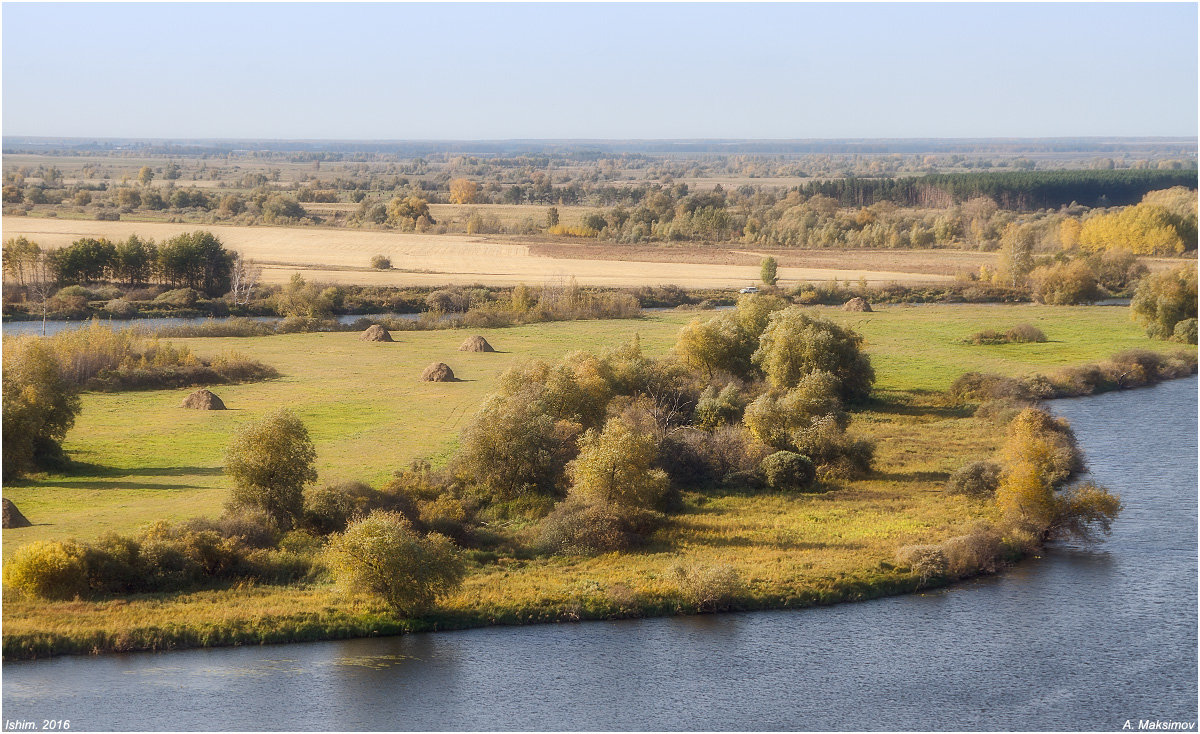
x=790, y=550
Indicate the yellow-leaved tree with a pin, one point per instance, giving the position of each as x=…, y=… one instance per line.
x=463, y=191
x=615, y=466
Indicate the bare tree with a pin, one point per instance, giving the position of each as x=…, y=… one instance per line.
x=42, y=283
x=243, y=279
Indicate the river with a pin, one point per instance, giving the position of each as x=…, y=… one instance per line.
x=1083, y=638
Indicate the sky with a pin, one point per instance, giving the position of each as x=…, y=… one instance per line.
x=598, y=71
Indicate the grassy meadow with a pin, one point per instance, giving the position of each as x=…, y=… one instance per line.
x=143, y=458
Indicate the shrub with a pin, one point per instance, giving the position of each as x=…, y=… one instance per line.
x=925, y=561
x=1162, y=300
x=729, y=454
x=269, y=462
x=977, y=551
x=978, y=479
x=576, y=527
x=1065, y=284
x=715, y=409
x=710, y=588
x=795, y=344
x=835, y=453
x=1185, y=331
x=47, y=569
x=120, y=308
x=775, y=417
x=1016, y=335
x=978, y=386
x=252, y=528
x=383, y=556
x=327, y=509
x=74, y=291
x=1022, y=333
x=181, y=297
x=379, y=262
x=787, y=470
x=1045, y=441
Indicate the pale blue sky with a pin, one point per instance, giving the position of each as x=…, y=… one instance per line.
x=465, y=71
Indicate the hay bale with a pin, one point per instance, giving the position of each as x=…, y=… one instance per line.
x=376, y=333
x=475, y=344
x=13, y=517
x=438, y=372
x=856, y=304
x=203, y=400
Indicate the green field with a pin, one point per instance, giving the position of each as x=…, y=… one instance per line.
x=369, y=414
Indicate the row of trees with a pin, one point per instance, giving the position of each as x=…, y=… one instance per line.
x=194, y=260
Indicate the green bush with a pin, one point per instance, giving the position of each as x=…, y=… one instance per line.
x=1185, y=331
x=270, y=462
x=181, y=297
x=835, y=453
x=47, y=569
x=121, y=308
x=787, y=470
x=383, y=556
x=795, y=344
x=74, y=291
x=40, y=406
x=1162, y=300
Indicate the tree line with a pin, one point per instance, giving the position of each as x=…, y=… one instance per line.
x=195, y=260
x=1018, y=190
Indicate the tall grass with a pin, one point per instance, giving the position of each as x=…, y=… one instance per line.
x=100, y=357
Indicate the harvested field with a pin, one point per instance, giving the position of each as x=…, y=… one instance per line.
x=344, y=255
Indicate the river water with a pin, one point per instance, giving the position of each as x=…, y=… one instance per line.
x=55, y=326
x=1083, y=638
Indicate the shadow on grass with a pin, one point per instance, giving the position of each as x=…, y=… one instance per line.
x=912, y=476
x=919, y=409
x=118, y=483
x=87, y=469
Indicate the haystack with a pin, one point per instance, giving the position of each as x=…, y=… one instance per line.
x=476, y=344
x=856, y=304
x=13, y=517
x=438, y=372
x=376, y=333
x=203, y=400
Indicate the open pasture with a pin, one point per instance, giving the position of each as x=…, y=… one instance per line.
x=369, y=414
x=147, y=459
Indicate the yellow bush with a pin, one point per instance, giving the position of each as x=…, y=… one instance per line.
x=49, y=569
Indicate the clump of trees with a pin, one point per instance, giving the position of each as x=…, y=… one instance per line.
x=603, y=440
x=1163, y=223
x=195, y=260
x=1166, y=304
x=40, y=406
